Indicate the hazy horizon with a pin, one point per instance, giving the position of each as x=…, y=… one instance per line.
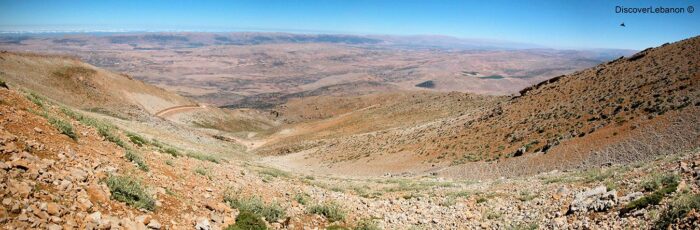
x=551, y=24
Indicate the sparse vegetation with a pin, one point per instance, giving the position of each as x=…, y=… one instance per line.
x=130, y=191
x=248, y=221
x=448, y=201
x=203, y=157
x=302, y=198
x=332, y=211
x=271, y=212
x=526, y=226
x=526, y=196
x=136, y=159
x=63, y=126
x=203, y=171
x=678, y=209
x=136, y=139
x=668, y=185
x=103, y=128
x=493, y=215
x=36, y=99
x=367, y=224
x=273, y=172
x=655, y=181
x=172, y=151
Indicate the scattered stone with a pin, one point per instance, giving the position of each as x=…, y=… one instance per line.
x=153, y=224
x=202, y=224
x=596, y=199
x=94, y=218
x=53, y=209
x=631, y=197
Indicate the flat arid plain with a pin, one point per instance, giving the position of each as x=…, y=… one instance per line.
x=313, y=131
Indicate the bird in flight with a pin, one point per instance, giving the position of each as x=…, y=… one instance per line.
x=623, y=24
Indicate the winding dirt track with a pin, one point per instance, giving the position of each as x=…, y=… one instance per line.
x=178, y=109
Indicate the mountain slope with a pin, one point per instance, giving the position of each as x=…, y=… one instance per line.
x=589, y=109
x=84, y=86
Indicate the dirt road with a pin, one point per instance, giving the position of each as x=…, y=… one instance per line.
x=178, y=109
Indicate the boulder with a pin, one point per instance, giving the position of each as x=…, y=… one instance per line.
x=596, y=199
x=202, y=224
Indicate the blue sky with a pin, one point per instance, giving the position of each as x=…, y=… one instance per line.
x=559, y=24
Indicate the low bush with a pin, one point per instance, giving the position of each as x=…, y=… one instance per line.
x=273, y=172
x=526, y=196
x=104, y=129
x=136, y=159
x=448, y=201
x=367, y=224
x=271, y=212
x=678, y=209
x=136, y=139
x=36, y=99
x=172, y=151
x=332, y=211
x=3, y=84
x=130, y=191
x=668, y=185
x=64, y=127
x=203, y=157
x=302, y=198
x=247, y=221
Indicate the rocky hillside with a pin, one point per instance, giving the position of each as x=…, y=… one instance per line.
x=64, y=169
x=564, y=118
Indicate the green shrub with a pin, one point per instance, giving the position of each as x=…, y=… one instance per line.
x=448, y=201
x=271, y=212
x=136, y=139
x=678, y=209
x=657, y=180
x=247, y=221
x=203, y=172
x=273, y=172
x=64, y=127
x=3, y=84
x=157, y=143
x=367, y=224
x=526, y=196
x=332, y=211
x=111, y=136
x=526, y=226
x=36, y=99
x=104, y=129
x=170, y=150
x=302, y=198
x=130, y=191
x=136, y=159
x=668, y=185
x=203, y=157
x=597, y=175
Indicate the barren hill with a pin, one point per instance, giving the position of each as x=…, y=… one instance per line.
x=558, y=122
x=84, y=86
